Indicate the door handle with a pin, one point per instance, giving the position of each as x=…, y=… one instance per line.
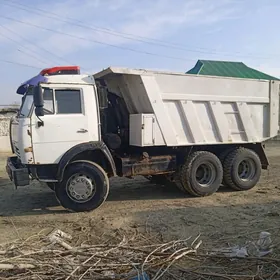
x=82, y=130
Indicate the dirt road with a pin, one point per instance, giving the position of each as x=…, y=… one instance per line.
x=138, y=204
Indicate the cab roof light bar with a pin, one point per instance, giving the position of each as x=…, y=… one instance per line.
x=42, y=76
x=61, y=70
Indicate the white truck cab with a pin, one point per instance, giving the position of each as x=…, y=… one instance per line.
x=75, y=131
x=70, y=117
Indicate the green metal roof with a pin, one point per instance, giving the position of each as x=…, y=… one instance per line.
x=228, y=69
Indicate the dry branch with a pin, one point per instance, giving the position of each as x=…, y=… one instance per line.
x=59, y=256
x=19, y=266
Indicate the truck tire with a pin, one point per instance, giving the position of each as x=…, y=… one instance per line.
x=85, y=187
x=223, y=155
x=242, y=169
x=202, y=174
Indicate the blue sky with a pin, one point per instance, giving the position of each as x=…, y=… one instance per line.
x=175, y=34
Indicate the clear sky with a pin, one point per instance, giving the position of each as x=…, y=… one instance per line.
x=158, y=34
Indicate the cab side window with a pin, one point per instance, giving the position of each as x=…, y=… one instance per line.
x=68, y=101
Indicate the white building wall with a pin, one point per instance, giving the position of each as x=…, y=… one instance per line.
x=5, y=116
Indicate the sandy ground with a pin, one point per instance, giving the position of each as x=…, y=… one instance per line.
x=137, y=204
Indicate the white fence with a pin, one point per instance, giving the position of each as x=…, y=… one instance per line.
x=6, y=112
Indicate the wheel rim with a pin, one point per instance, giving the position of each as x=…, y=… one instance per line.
x=206, y=174
x=246, y=170
x=80, y=188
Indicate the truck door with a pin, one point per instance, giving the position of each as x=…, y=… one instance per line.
x=70, y=118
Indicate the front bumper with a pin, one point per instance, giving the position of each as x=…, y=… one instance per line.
x=17, y=172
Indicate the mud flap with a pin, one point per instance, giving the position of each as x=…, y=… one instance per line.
x=18, y=174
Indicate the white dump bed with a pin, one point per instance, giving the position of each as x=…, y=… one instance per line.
x=176, y=109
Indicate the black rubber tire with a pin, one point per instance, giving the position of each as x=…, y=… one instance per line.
x=223, y=155
x=51, y=185
x=96, y=173
x=188, y=173
x=231, y=164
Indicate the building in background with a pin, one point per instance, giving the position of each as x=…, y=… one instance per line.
x=228, y=69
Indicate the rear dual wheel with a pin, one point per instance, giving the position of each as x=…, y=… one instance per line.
x=242, y=169
x=201, y=174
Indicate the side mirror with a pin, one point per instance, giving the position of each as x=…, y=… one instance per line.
x=38, y=101
x=39, y=111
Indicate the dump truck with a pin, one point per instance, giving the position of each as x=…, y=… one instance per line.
x=74, y=132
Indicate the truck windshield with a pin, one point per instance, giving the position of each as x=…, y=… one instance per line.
x=27, y=102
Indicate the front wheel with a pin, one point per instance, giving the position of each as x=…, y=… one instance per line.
x=85, y=187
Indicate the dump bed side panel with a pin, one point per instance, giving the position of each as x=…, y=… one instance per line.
x=194, y=110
